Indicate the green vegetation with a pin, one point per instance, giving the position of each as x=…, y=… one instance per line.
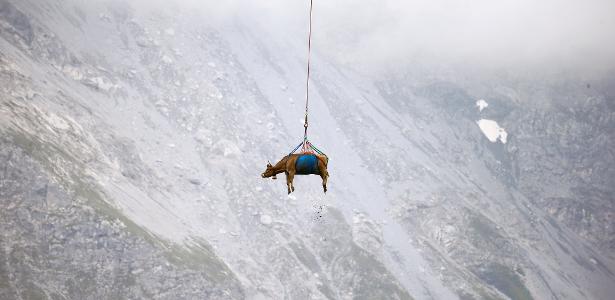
x=484, y=229
x=70, y=175
x=370, y=279
x=375, y=282
x=505, y=280
x=199, y=256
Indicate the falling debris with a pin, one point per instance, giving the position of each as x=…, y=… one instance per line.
x=318, y=212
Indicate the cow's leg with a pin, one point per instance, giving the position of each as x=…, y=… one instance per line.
x=288, y=181
x=291, y=176
x=324, y=174
x=324, y=182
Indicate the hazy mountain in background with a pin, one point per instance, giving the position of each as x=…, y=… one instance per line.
x=133, y=135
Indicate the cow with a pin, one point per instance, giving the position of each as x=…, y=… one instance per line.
x=299, y=164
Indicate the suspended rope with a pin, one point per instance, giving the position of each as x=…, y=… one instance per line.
x=305, y=145
x=307, y=83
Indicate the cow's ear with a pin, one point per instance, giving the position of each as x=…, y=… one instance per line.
x=268, y=164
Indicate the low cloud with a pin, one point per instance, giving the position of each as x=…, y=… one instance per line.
x=518, y=34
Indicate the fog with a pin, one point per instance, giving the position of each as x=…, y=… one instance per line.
x=512, y=34
x=520, y=33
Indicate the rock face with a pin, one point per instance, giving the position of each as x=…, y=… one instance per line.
x=132, y=138
x=58, y=244
x=569, y=147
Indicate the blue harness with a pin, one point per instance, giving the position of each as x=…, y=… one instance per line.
x=307, y=164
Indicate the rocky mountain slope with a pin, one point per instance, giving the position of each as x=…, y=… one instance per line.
x=133, y=136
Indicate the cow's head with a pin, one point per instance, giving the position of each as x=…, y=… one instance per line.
x=269, y=172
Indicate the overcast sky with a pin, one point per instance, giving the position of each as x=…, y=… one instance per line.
x=505, y=32
x=563, y=34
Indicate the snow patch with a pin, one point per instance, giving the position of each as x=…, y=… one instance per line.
x=481, y=104
x=492, y=130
